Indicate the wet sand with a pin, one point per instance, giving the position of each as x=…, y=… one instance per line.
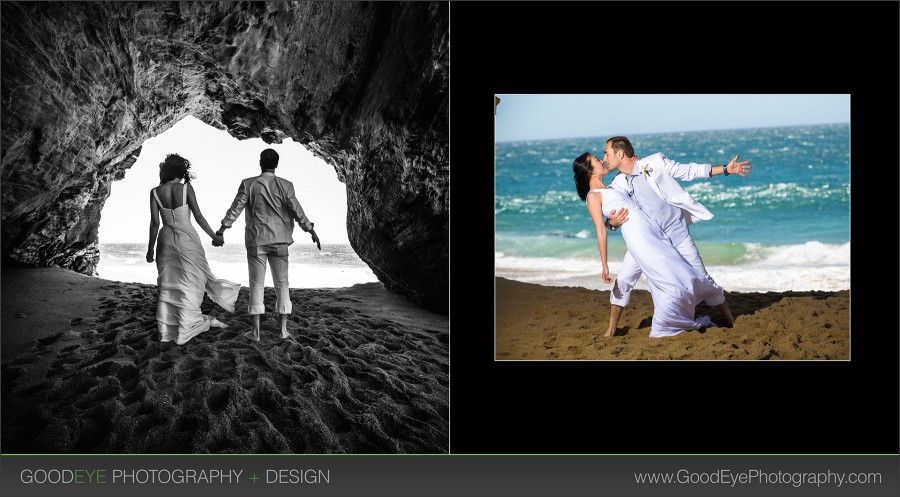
x=83, y=371
x=535, y=322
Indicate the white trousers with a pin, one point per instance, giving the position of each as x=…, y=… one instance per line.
x=277, y=256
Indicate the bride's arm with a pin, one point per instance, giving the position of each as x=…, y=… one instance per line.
x=154, y=227
x=195, y=209
x=595, y=207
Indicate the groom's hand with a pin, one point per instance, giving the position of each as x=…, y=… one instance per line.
x=315, y=238
x=218, y=241
x=735, y=167
x=617, y=217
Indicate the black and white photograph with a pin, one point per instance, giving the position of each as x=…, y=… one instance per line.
x=225, y=227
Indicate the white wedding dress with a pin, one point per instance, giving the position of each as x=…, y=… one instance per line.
x=676, y=287
x=184, y=275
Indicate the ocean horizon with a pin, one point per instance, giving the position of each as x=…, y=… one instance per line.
x=336, y=266
x=784, y=227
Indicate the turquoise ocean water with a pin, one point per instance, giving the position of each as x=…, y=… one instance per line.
x=786, y=226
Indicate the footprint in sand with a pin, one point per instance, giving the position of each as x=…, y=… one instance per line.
x=248, y=377
x=128, y=376
x=218, y=398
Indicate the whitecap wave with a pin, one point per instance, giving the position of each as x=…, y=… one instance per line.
x=773, y=194
x=803, y=267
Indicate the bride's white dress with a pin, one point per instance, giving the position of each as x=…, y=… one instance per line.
x=184, y=275
x=676, y=287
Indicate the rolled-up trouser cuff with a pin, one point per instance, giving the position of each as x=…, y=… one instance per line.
x=282, y=308
x=714, y=301
x=279, y=266
x=619, y=297
x=256, y=300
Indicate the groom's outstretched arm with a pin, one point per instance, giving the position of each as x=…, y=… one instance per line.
x=240, y=201
x=685, y=172
x=692, y=171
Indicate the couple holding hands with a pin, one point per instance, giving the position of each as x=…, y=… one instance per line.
x=271, y=208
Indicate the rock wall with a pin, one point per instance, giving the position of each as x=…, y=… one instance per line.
x=362, y=85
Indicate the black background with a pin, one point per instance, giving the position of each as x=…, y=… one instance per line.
x=674, y=406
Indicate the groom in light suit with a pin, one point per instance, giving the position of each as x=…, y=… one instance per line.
x=651, y=183
x=272, y=208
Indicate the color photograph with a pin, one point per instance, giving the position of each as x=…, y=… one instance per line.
x=658, y=227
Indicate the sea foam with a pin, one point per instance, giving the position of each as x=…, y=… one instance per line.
x=803, y=267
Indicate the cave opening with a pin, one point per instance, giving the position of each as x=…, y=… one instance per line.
x=219, y=162
x=364, y=87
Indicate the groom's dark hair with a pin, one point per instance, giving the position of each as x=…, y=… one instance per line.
x=268, y=159
x=621, y=144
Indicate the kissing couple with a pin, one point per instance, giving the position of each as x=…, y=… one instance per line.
x=270, y=206
x=653, y=212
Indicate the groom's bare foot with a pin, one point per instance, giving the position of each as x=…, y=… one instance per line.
x=253, y=334
x=615, y=312
x=284, y=332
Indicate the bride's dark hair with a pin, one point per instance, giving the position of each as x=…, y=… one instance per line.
x=583, y=169
x=175, y=166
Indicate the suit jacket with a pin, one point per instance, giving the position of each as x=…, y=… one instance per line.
x=271, y=209
x=661, y=174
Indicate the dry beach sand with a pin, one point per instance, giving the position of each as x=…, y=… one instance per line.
x=540, y=322
x=83, y=371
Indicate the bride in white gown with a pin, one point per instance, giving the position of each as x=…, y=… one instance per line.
x=676, y=287
x=184, y=273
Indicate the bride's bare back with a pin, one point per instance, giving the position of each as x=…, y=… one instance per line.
x=170, y=194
